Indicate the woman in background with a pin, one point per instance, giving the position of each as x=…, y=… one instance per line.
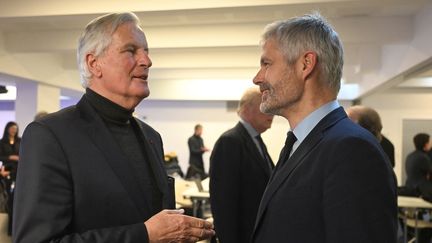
x=9, y=150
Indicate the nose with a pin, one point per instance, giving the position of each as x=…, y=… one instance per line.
x=259, y=77
x=144, y=60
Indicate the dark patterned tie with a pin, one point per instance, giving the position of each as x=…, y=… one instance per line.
x=284, y=155
x=264, y=151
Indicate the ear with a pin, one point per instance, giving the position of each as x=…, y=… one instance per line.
x=93, y=66
x=309, y=63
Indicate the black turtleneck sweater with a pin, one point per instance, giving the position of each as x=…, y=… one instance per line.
x=130, y=140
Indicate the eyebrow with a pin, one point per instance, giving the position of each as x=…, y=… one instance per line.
x=134, y=46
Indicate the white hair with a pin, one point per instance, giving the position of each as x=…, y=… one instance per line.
x=96, y=37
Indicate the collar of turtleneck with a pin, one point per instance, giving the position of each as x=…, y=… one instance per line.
x=109, y=110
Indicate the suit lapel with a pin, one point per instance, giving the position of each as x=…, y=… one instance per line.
x=155, y=161
x=253, y=150
x=284, y=172
x=103, y=139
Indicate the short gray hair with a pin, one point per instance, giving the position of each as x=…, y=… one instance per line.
x=97, y=36
x=310, y=33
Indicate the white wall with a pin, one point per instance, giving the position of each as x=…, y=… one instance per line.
x=395, y=106
x=5, y=117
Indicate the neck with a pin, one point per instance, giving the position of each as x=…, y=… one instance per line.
x=109, y=110
x=306, y=105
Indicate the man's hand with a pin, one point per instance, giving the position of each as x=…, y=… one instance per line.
x=4, y=172
x=173, y=226
x=13, y=157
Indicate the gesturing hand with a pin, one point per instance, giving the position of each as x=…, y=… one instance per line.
x=173, y=226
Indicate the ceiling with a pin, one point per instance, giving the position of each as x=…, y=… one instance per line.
x=209, y=50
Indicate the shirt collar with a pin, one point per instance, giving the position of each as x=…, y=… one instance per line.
x=109, y=110
x=307, y=124
x=252, y=132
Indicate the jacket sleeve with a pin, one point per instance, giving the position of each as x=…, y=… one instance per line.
x=44, y=198
x=225, y=166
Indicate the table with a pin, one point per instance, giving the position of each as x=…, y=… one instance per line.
x=198, y=199
x=412, y=203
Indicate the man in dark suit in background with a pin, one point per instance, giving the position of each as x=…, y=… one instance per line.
x=196, y=151
x=240, y=167
x=389, y=149
x=418, y=168
x=332, y=182
x=92, y=172
x=418, y=165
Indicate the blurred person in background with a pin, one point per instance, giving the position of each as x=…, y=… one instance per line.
x=40, y=114
x=418, y=168
x=370, y=120
x=9, y=155
x=240, y=167
x=196, y=151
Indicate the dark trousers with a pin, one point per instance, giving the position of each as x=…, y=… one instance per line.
x=10, y=184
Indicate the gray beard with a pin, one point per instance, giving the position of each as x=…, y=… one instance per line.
x=264, y=108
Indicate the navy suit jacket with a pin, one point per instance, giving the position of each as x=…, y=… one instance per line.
x=337, y=186
x=75, y=185
x=238, y=177
x=418, y=166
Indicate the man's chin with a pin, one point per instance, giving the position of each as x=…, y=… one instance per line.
x=143, y=93
x=146, y=94
x=268, y=109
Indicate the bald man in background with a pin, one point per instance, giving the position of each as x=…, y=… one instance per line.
x=370, y=120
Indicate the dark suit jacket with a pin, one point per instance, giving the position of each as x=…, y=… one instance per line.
x=74, y=184
x=418, y=165
x=7, y=150
x=238, y=177
x=336, y=187
x=388, y=148
x=196, y=162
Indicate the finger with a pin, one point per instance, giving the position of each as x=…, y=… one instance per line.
x=202, y=234
x=194, y=222
x=208, y=225
x=197, y=223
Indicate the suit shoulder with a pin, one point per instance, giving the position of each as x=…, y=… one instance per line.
x=417, y=155
x=348, y=134
x=346, y=137
x=62, y=118
x=345, y=129
x=231, y=135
